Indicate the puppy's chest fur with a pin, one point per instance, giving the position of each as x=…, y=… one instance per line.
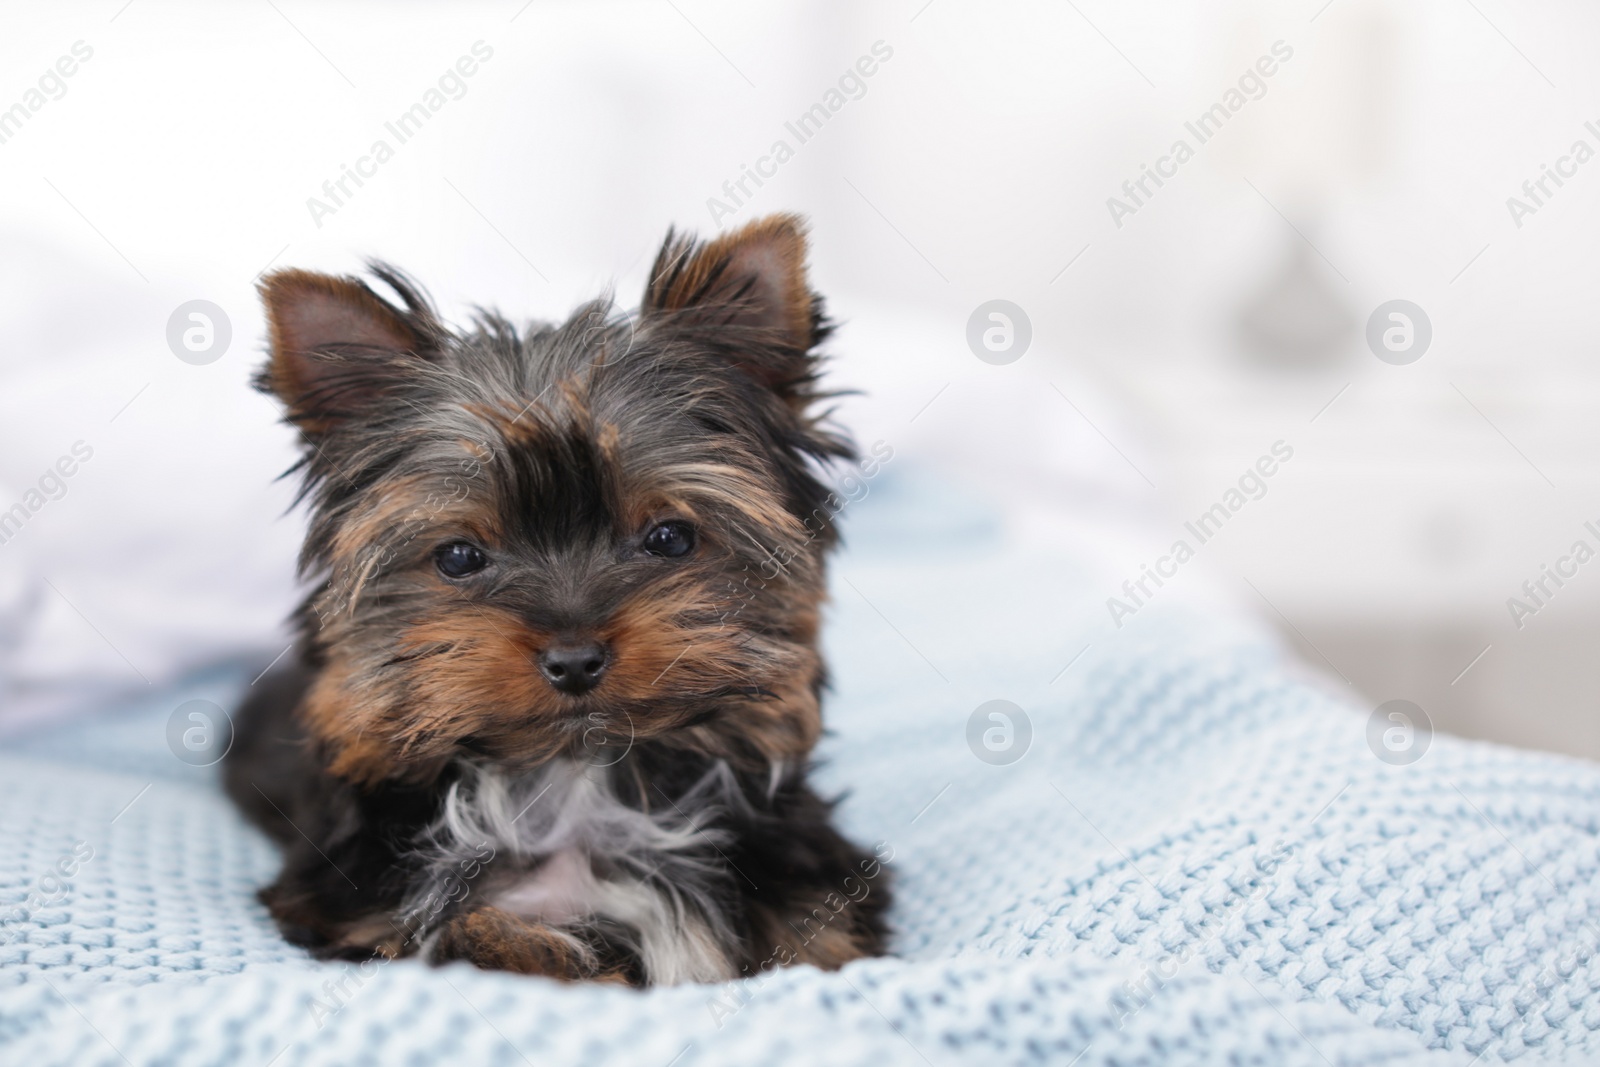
x=559, y=847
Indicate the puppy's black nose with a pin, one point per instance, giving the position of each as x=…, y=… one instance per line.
x=576, y=667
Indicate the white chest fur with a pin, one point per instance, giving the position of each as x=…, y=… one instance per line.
x=588, y=857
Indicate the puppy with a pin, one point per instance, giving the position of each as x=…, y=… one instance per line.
x=558, y=684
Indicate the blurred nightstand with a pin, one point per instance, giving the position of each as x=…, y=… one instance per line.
x=1418, y=501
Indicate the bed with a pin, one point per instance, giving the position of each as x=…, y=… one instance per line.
x=1183, y=849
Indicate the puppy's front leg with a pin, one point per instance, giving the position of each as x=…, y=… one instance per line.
x=496, y=940
x=826, y=930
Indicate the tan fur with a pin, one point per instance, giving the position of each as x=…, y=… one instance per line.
x=487, y=686
x=496, y=940
x=769, y=252
x=307, y=311
x=818, y=935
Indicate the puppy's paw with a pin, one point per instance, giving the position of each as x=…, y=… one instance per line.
x=825, y=930
x=496, y=940
x=327, y=937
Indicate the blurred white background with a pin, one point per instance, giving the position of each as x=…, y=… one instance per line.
x=1225, y=314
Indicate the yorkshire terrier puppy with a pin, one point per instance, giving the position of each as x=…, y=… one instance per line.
x=556, y=690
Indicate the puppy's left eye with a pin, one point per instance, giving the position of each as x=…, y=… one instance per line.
x=459, y=559
x=670, y=539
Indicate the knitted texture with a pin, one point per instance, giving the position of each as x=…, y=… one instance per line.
x=1199, y=859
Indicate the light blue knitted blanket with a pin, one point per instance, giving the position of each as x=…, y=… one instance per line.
x=1199, y=859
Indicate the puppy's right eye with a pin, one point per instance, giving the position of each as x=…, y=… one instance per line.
x=670, y=539
x=459, y=559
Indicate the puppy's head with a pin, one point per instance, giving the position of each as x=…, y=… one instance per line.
x=523, y=539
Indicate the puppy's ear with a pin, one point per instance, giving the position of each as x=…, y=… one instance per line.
x=337, y=346
x=747, y=290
